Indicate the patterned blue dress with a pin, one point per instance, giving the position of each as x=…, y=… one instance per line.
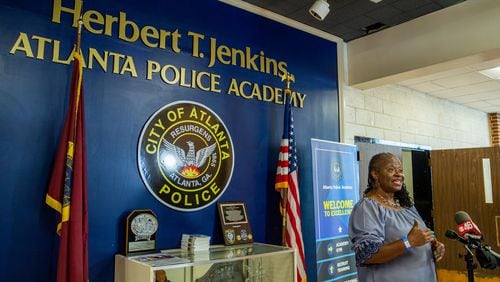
x=370, y=226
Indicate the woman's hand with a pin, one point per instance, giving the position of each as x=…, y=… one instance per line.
x=419, y=237
x=438, y=250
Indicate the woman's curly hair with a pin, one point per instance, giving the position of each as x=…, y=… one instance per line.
x=375, y=164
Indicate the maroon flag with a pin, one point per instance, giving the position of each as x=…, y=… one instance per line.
x=67, y=191
x=287, y=183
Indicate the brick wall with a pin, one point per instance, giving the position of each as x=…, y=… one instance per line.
x=494, y=119
x=396, y=113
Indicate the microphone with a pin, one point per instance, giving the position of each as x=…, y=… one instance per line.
x=487, y=258
x=466, y=227
x=453, y=235
x=470, y=235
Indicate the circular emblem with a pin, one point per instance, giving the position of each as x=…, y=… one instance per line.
x=144, y=225
x=331, y=269
x=185, y=156
x=336, y=170
x=244, y=235
x=329, y=249
x=230, y=236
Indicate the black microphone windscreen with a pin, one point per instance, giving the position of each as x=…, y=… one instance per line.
x=454, y=235
x=461, y=217
x=451, y=234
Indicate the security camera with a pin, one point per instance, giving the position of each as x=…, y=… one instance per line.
x=319, y=9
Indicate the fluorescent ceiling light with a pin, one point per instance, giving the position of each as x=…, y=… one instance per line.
x=491, y=73
x=376, y=1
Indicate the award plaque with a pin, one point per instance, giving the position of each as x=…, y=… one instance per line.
x=141, y=232
x=235, y=224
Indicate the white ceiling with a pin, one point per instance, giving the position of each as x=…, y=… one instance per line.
x=465, y=86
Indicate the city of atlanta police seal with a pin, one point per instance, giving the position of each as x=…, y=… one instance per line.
x=185, y=156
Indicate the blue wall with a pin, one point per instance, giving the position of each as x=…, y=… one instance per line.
x=34, y=94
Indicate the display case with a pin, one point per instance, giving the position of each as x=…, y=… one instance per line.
x=240, y=263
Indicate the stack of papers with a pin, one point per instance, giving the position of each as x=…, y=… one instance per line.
x=160, y=259
x=193, y=243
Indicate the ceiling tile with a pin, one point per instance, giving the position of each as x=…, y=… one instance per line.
x=468, y=89
x=446, y=3
x=342, y=28
x=488, y=95
x=435, y=76
x=485, y=65
x=426, y=87
x=408, y=5
x=361, y=21
x=495, y=102
x=483, y=96
x=446, y=94
x=461, y=80
x=478, y=104
x=422, y=10
x=380, y=14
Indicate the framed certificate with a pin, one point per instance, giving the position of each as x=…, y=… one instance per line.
x=234, y=222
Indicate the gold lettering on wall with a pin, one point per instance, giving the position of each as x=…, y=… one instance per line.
x=210, y=50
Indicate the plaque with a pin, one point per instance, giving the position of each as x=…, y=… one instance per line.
x=141, y=232
x=235, y=224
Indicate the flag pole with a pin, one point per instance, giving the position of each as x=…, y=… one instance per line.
x=284, y=192
x=78, y=53
x=79, y=32
x=284, y=196
x=288, y=184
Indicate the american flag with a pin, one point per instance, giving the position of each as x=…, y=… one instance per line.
x=288, y=185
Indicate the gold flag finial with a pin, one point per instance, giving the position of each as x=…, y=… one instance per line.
x=288, y=77
x=79, y=30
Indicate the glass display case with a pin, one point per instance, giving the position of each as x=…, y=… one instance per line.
x=255, y=262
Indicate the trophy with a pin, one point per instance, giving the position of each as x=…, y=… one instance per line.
x=140, y=232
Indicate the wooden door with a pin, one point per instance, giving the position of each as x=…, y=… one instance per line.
x=458, y=185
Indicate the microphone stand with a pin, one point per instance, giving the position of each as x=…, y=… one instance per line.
x=469, y=261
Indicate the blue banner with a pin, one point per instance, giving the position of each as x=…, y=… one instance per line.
x=336, y=190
